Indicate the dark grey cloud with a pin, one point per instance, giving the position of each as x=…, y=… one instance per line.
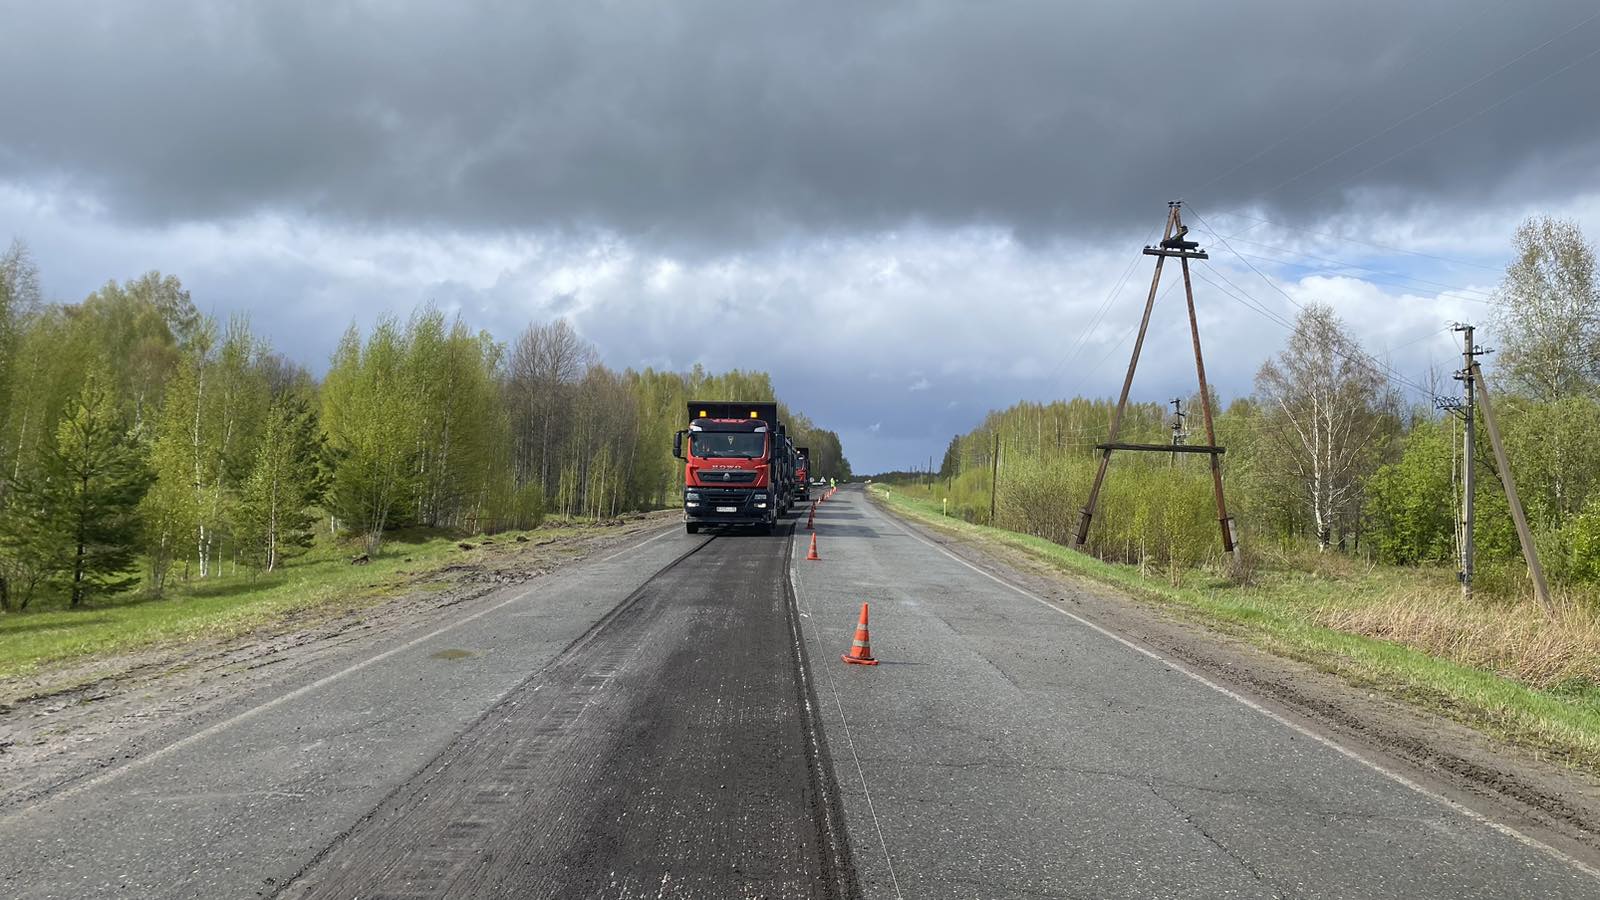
x=708, y=124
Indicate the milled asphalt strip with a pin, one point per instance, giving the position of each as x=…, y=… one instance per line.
x=154, y=755
x=794, y=585
x=1396, y=777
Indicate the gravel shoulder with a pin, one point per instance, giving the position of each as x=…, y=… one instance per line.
x=73, y=720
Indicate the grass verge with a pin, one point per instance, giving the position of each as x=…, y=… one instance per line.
x=321, y=582
x=1383, y=628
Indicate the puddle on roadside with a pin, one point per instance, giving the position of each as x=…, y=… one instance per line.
x=452, y=653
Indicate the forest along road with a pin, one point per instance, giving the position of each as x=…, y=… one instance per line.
x=1007, y=748
x=628, y=725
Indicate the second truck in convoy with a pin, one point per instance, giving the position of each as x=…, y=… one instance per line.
x=740, y=467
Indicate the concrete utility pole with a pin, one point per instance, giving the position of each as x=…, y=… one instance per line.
x=1469, y=468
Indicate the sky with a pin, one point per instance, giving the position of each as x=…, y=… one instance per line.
x=909, y=213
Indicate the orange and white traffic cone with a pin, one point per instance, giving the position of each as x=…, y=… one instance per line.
x=813, y=553
x=861, y=648
x=811, y=518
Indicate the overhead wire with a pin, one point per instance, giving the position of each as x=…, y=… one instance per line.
x=1411, y=60
x=1340, y=237
x=1350, y=265
x=1443, y=99
x=1100, y=313
x=1362, y=357
x=1460, y=122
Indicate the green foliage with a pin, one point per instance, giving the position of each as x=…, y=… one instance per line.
x=211, y=453
x=275, y=520
x=86, y=509
x=1411, y=501
x=370, y=415
x=1548, y=313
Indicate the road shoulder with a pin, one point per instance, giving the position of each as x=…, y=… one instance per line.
x=117, y=708
x=1550, y=802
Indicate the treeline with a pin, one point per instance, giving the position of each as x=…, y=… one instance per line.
x=1326, y=451
x=143, y=443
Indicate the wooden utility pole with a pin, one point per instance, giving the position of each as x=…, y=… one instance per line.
x=1173, y=243
x=1530, y=553
x=994, y=475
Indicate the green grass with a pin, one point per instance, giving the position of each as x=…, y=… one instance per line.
x=318, y=583
x=1279, y=611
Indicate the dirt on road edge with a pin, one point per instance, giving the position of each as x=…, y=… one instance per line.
x=1545, y=800
x=115, y=707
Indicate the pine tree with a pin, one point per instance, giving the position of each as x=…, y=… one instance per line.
x=94, y=478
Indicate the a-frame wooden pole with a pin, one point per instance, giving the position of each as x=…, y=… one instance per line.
x=1228, y=543
x=1127, y=384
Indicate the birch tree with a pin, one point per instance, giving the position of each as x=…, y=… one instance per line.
x=369, y=420
x=275, y=520
x=1547, y=313
x=1327, y=415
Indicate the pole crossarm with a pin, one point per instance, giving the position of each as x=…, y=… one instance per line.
x=1162, y=448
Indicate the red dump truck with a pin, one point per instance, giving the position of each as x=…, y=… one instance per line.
x=739, y=465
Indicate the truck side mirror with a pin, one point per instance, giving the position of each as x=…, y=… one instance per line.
x=677, y=444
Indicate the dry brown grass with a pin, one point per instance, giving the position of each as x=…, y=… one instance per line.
x=1515, y=640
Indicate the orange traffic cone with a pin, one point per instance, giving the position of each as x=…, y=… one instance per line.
x=861, y=648
x=811, y=518
x=813, y=553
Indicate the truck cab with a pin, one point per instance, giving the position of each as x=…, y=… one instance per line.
x=735, y=467
x=802, y=473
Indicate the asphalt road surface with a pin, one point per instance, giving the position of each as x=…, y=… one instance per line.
x=674, y=721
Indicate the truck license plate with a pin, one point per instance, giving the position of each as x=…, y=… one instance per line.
x=727, y=509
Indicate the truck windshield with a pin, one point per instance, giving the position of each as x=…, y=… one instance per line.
x=727, y=444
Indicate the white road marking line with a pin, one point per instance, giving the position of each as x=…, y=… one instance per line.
x=1474, y=815
x=163, y=752
x=625, y=551
x=872, y=810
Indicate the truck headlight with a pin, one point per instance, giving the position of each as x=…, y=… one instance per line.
x=692, y=496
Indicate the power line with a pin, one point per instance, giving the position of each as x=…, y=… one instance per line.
x=1447, y=97
x=1360, y=356
x=1349, y=265
x=1379, y=278
x=1441, y=133
x=1411, y=60
x=1105, y=305
x=1340, y=237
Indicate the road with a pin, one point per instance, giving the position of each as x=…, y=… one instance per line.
x=673, y=720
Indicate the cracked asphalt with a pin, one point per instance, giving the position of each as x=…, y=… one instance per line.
x=647, y=723
x=1003, y=749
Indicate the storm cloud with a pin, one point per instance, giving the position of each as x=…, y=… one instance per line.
x=937, y=200
x=702, y=123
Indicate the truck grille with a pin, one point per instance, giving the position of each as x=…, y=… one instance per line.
x=727, y=476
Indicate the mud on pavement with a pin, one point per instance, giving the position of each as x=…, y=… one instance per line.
x=72, y=720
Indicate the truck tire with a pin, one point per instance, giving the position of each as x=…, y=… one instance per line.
x=691, y=528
